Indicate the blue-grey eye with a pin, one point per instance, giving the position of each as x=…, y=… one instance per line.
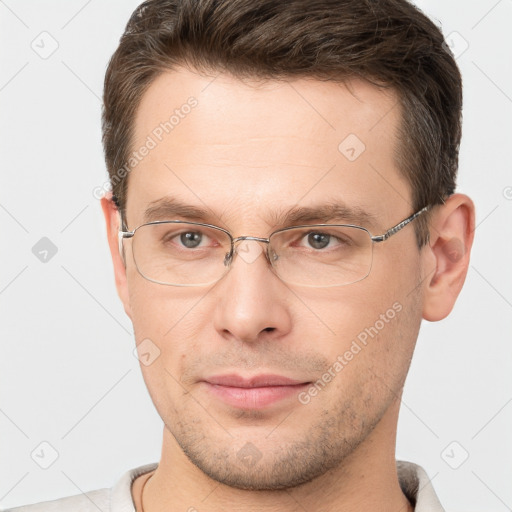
x=319, y=240
x=191, y=239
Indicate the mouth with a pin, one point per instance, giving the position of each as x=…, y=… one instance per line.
x=255, y=392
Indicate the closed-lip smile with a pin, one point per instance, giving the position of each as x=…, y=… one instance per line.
x=255, y=392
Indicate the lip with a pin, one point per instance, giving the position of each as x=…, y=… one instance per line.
x=256, y=392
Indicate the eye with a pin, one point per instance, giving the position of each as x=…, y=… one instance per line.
x=183, y=238
x=318, y=240
x=321, y=240
x=190, y=239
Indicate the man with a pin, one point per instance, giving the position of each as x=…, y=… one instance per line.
x=283, y=217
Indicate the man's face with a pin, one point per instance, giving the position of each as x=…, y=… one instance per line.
x=247, y=154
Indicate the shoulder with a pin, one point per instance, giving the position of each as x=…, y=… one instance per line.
x=116, y=499
x=94, y=501
x=417, y=486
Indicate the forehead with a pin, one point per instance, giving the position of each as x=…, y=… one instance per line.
x=261, y=146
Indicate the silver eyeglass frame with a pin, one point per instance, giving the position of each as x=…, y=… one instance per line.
x=229, y=256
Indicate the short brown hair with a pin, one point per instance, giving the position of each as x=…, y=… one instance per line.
x=390, y=43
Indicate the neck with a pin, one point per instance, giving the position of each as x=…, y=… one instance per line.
x=367, y=480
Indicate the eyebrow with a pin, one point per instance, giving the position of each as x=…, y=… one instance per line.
x=329, y=212
x=170, y=208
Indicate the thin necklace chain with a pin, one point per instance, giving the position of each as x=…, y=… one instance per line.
x=142, y=492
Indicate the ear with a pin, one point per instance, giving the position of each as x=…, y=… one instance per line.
x=452, y=227
x=112, y=219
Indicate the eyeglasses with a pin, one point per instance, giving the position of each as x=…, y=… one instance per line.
x=180, y=253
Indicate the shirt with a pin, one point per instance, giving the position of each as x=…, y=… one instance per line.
x=413, y=480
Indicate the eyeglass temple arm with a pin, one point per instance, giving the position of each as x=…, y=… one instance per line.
x=395, y=229
x=123, y=230
x=377, y=238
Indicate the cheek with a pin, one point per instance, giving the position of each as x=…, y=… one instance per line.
x=159, y=309
x=171, y=318
x=371, y=355
x=166, y=328
x=371, y=324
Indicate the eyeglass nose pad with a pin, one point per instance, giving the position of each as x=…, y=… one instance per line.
x=228, y=258
x=249, y=253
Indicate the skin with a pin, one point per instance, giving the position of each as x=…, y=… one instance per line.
x=248, y=151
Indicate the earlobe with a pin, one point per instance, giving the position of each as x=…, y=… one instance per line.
x=451, y=237
x=112, y=220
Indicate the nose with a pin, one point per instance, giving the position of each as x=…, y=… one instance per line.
x=251, y=301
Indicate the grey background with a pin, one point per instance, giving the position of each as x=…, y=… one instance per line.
x=68, y=374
